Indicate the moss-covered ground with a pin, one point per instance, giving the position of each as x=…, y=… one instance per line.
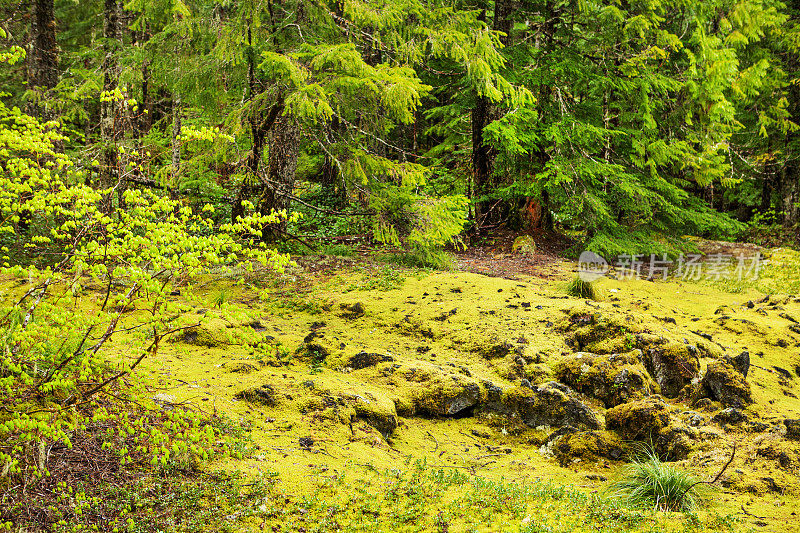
x=365, y=393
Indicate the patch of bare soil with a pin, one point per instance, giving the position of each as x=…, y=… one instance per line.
x=492, y=256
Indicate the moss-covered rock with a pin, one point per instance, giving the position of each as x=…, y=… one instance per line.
x=723, y=383
x=524, y=244
x=740, y=362
x=792, y=428
x=261, y=395
x=613, y=379
x=216, y=332
x=672, y=364
x=240, y=367
x=731, y=416
x=448, y=395
x=378, y=412
x=591, y=331
x=367, y=359
x=551, y=404
x=785, y=453
x=649, y=421
x=588, y=446
x=316, y=352
x=352, y=311
x=495, y=349
x=639, y=420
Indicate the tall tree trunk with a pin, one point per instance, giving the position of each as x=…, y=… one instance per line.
x=481, y=158
x=332, y=183
x=257, y=131
x=547, y=42
x=42, y=74
x=176, y=143
x=790, y=176
x=284, y=140
x=484, y=113
x=109, y=106
x=790, y=192
x=145, y=119
x=768, y=181
x=43, y=58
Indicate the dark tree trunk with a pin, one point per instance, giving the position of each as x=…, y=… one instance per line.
x=790, y=194
x=332, y=183
x=145, y=121
x=482, y=114
x=43, y=57
x=284, y=140
x=177, y=126
x=258, y=132
x=109, y=106
x=482, y=156
x=767, y=185
x=547, y=42
x=790, y=178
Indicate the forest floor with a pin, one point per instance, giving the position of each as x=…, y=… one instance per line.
x=379, y=398
x=365, y=396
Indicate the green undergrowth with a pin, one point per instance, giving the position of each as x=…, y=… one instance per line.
x=422, y=258
x=650, y=483
x=581, y=289
x=419, y=498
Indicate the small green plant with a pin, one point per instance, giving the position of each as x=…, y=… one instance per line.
x=580, y=288
x=630, y=341
x=220, y=298
x=650, y=483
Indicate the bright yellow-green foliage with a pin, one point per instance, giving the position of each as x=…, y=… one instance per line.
x=55, y=380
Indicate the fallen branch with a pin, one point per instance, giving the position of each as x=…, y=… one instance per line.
x=716, y=478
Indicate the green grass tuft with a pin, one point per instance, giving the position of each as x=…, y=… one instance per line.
x=650, y=483
x=581, y=289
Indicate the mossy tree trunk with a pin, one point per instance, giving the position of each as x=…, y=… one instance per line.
x=42, y=58
x=109, y=105
x=284, y=140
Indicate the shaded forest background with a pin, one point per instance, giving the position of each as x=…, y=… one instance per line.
x=624, y=125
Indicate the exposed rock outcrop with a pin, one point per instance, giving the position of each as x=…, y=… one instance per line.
x=613, y=379
x=673, y=365
x=367, y=359
x=723, y=383
x=448, y=395
x=261, y=395
x=551, y=404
